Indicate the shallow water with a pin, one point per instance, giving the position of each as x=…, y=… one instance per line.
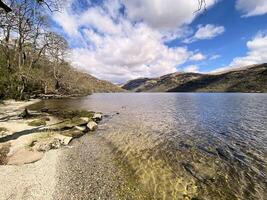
x=187, y=145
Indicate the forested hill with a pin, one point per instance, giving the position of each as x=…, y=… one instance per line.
x=33, y=58
x=41, y=81
x=248, y=79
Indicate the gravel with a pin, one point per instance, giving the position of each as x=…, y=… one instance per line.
x=88, y=171
x=31, y=181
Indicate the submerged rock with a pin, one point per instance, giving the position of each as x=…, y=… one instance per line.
x=72, y=114
x=223, y=153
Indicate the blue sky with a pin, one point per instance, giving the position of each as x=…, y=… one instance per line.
x=118, y=40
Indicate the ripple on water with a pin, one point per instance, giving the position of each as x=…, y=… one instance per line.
x=189, y=146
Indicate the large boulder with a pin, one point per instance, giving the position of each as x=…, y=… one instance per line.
x=24, y=156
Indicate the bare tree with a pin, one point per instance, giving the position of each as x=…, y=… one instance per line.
x=57, y=48
x=5, y=7
x=201, y=5
x=52, y=5
x=23, y=37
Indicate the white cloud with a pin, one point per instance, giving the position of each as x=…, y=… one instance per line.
x=137, y=53
x=70, y=25
x=252, y=7
x=191, y=68
x=215, y=57
x=257, y=54
x=205, y=32
x=198, y=57
x=164, y=14
x=113, y=47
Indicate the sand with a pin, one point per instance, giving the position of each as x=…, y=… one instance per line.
x=29, y=181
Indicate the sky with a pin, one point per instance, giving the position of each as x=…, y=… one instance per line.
x=120, y=40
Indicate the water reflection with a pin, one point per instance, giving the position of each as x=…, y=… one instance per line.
x=187, y=146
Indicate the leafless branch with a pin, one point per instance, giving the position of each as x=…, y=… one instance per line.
x=5, y=7
x=201, y=5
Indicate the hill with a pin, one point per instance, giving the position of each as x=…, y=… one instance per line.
x=41, y=81
x=247, y=79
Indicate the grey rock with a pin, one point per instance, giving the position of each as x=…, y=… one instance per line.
x=92, y=126
x=97, y=117
x=81, y=128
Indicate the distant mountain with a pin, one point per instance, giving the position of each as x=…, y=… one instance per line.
x=247, y=79
x=83, y=83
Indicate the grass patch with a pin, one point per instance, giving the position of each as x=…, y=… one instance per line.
x=4, y=150
x=41, y=136
x=3, y=129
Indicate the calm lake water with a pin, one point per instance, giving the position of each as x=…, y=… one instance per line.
x=186, y=145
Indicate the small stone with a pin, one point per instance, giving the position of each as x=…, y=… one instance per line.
x=55, y=144
x=44, y=110
x=81, y=128
x=97, y=117
x=86, y=119
x=92, y=126
x=25, y=114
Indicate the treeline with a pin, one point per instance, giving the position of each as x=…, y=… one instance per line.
x=31, y=56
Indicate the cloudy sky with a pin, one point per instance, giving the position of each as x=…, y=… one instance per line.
x=118, y=40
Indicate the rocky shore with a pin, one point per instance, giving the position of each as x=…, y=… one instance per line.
x=30, y=144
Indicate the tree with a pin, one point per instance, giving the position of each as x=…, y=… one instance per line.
x=5, y=7
x=51, y=5
x=24, y=38
x=56, y=51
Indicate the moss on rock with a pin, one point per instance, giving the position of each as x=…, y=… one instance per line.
x=3, y=129
x=38, y=122
x=72, y=133
x=71, y=113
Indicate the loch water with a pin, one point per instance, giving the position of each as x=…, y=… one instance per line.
x=186, y=145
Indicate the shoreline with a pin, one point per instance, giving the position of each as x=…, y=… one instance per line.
x=86, y=168
x=29, y=153
x=26, y=181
